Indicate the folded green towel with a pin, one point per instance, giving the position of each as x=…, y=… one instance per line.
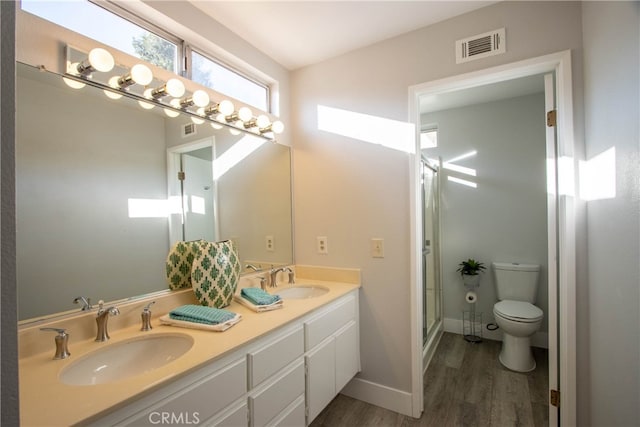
x=258, y=297
x=200, y=314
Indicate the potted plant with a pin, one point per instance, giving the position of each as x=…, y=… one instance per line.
x=470, y=271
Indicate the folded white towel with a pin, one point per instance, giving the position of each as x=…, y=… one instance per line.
x=258, y=308
x=220, y=327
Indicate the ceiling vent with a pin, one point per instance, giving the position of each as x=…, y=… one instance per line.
x=481, y=46
x=188, y=129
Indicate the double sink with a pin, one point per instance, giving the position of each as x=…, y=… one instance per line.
x=136, y=356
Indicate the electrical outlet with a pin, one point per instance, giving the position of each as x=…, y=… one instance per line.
x=322, y=245
x=377, y=248
x=270, y=243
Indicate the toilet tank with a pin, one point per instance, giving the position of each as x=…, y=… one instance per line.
x=517, y=282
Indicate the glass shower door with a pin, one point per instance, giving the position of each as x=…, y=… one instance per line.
x=431, y=290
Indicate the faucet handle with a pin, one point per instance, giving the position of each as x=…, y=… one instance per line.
x=86, y=302
x=62, y=340
x=146, y=317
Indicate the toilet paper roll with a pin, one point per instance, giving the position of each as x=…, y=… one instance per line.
x=471, y=297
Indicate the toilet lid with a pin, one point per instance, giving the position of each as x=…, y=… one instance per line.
x=519, y=311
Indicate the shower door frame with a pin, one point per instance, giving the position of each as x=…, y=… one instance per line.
x=562, y=287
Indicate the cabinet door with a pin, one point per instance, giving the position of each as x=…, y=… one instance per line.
x=347, y=355
x=321, y=387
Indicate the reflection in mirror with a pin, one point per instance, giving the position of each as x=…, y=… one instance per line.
x=95, y=216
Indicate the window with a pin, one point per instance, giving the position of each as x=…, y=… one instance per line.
x=138, y=38
x=106, y=27
x=428, y=138
x=222, y=79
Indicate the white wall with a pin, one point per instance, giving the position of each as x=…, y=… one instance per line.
x=351, y=191
x=504, y=218
x=610, y=317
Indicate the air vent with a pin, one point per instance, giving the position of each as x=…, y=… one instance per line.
x=481, y=46
x=188, y=129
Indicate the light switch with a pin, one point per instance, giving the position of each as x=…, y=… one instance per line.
x=377, y=248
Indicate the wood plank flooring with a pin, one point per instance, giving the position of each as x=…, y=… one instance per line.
x=465, y=385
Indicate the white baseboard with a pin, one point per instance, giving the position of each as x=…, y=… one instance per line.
x=539, y=339
x=379, y=395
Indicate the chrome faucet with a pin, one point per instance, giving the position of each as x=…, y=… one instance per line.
x=291, y=275
x=251, y=267
x=102, y=318
x=146, y=317
x=86, y=303
x=273, y=275
x=62, y=339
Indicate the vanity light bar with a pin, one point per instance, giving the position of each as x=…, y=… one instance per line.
x=138, y=83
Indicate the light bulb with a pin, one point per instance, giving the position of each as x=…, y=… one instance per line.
x=216, y=125
x=171, y=113
x=112, y=95
x=73, y=84
x=226, y=107
x=141, y=74
x=245, y=114
x=197, y=120
x=148, y=93
x=175, y=88
x=200, y=98
x=99, y=59
x=263, y=121
x=146, y=105
x=234, y=131
x=277, y=127
x=175, y=103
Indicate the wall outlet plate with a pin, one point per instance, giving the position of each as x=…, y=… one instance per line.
x=270, y=243
x=322, y=245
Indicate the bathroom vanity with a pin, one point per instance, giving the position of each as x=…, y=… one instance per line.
x=274, y=368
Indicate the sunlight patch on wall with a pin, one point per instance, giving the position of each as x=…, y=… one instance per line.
x=198, y=205
x=566, y=176
x=451, y=166
x=235, y=155
x=598, y=176
x=462, y=181
x=363, y=127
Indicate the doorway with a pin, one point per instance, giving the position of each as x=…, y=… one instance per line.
x=561, y=167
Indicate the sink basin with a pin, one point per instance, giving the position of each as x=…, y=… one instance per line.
x=126, y=359
x=302, y=291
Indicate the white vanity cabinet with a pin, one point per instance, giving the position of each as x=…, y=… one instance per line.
x=284, y=378
x=333, y=356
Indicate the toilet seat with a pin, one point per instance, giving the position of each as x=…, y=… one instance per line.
x=518, y=311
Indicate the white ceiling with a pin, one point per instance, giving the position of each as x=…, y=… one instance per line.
x=300, y=33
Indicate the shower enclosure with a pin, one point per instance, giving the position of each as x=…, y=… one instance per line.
x=431, y=283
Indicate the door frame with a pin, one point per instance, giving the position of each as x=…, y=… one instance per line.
x=563, y=297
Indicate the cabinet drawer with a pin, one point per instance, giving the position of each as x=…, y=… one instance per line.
x=292, y=416
x=274, y=356
x=202, y=399
x=275, y=396
x=234, y=418
x=319, y=328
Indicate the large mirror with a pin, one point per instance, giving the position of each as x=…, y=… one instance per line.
x=99, y=202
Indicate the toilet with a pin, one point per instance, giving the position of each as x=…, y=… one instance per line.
x=515, y=314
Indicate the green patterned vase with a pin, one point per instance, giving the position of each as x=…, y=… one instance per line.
x=179, y=262
x=215, y=273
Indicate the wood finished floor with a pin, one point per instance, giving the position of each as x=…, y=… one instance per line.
x=465, y=385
